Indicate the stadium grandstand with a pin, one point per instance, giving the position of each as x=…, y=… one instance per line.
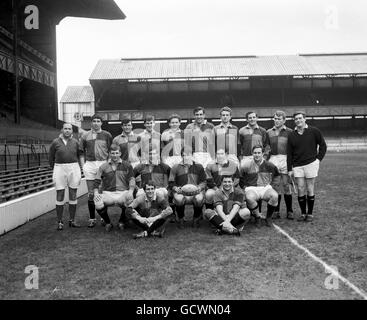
x=329, y=87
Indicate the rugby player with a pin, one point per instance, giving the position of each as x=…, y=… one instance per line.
x=116, y=178
x=226, y=135
x=256, y=178
x=128, y=142
x=64, y=158
x=305, y=150
x=278, y=138
x=200, y=136
x=188, y=172
x=150, y=140
x=95, y=145
x=215, y=170
x=230, y=208
x=150, y=211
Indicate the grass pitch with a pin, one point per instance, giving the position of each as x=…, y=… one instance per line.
x=194, y=263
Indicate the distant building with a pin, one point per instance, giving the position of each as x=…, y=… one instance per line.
x=76, y=103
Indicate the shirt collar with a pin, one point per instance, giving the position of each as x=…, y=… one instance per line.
x=110, y=161
x=99, y=131
x=202, y=124
x=123, y=134
x=63, y=138
x=227, y=193
x=296, y=129
x=171, y=130
x=222, y=125
x=248, y=126
x=283, y=127
x=262, y=161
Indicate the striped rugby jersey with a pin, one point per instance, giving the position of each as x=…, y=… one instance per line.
x=255, y=175
x=172, y=142
x=200, y=137
x=182, y=174
x=214, y=172
x=150, y=143
x=252, y=137
x=149, y=208
x=120, y=179
x=278, y=140
x=226, y=137
x=228, y=200
x=95, y=145
x=129, y=146
x=158, y=173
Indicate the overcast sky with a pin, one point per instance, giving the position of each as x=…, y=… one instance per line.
x=179, y=28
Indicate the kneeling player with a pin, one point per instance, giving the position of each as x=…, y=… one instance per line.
x=230, y=210
x=118, y=184
x=182, y=175
x=150, y=211
x=256, y=178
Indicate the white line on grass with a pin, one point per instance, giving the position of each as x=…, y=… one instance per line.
x=325, y=265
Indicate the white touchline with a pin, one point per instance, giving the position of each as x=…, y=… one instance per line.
x=327, y=267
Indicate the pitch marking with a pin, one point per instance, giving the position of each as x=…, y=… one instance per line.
x=325, y=265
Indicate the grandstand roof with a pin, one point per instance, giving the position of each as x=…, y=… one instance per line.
x=231, y=66
x=77, y=94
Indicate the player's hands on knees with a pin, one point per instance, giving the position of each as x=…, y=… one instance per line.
x=97, y=197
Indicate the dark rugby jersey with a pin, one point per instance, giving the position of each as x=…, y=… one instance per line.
x=302, y=148
x=253, y=137
x=278, y=140
x=96, y=149
x=120, y=180
x=257, y=176
x=214, y=172
x=236, y=196
x=149, y=208
x=129, y=146
x=187, y=174
x=173, y=143
x=226, y=138
x=150, y=143
x=158, y=173
x=200, y=137
x=61, y=153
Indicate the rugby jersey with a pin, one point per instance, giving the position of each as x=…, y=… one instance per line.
x=96, y=148
x=129, y=146
x=226, y=138
x=214, y=172
x=228, y=200
x=182, y=174
x=120, y=179
x=149, y=208
x=249, y=138
x=255, y=175
x=172, y=143
x=150, y=143
x=158, y=173
x=278, y=140
x=200, y=137
x=302, y=148
x=64, y=153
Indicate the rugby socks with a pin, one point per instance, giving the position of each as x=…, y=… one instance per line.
x=270, y=211
x=59, y=212
x=72, y=210
x=123, y=217
x=197, y=212
x=156, y=224
x=216, y=221
x=237, y=220
x=310, y=203
x=92, y=209
x=259, y=205
x=104, y=215
x=288, y=202
x=180, y=211
x=139, y=224
x=302, y=204
x=255, y=211
x=277, y=208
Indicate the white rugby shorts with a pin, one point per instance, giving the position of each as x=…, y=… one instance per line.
x=280, y=161
x=309, y=171
x=259, y=191
x=90, y=169
x=66, y=175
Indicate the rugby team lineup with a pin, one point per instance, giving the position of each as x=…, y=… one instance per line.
x=225, y=172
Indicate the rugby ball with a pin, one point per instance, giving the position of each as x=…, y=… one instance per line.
x=189, y=190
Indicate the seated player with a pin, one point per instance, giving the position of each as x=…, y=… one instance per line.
x=156, y=171
x=230, y=209
x=118, y=184
x=256, y=177
x=150, y=211
x=181, y=175
x=215, y=170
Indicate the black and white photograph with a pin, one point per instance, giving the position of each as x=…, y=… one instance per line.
x=183, y=154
